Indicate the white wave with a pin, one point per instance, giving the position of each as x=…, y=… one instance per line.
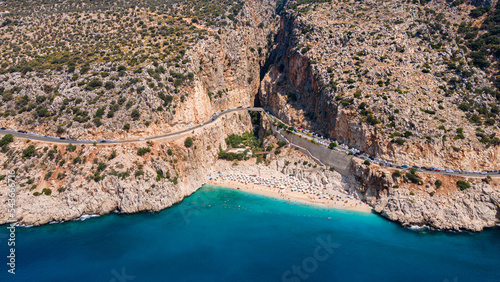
x=419, y=228
x=22, y=225
x=86, y=216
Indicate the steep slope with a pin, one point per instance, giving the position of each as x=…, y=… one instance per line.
x=389, y=78
x=61, y=183
x=97, y=70
x=128, y=71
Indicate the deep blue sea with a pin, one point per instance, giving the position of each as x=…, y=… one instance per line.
x=218, y=234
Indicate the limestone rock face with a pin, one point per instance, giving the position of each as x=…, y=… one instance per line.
x=133, y=183
x=446, y=207
x=365, y=74
x=473, y=211
x=220, y=70
x=359, y=79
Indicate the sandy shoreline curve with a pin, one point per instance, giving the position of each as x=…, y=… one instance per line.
x=288, y=195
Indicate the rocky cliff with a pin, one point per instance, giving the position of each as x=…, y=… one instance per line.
x=60, y=183
x=129, y=72
x=392, y=79
x=386, y=78
x=395, y=81
x=434, y=200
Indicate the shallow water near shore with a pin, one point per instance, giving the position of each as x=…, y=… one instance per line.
x=220, y=234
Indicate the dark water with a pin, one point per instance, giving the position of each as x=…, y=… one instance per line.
x=219, y=234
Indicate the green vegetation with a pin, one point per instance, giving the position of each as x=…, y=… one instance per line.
x=77, y=160
x=462, y=185
x=478, y=12
x=160, y=176
x=398, y=141
x=98, y=177
x=6, y=140
x=188, y=142
x=413, y=177
x=135, y=114
x=47, y=175
x=247, y=139
x=71, y=147
x=223, y=155
x=93, y=84
x=29, y=152
x=101, y=167
x=143, y=150
x=438, y=183
x=371, y=120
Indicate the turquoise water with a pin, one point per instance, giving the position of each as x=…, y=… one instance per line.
x=219, y=234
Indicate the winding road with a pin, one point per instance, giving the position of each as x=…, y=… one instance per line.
x=214, y=117
x=22, y=135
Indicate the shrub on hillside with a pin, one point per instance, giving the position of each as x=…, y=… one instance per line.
x=29, y=152
x=7, y=139
x=462, y=185
x=188, y=142
x=142, y=151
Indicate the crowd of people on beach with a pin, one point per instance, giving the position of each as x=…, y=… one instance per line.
x=283, y=185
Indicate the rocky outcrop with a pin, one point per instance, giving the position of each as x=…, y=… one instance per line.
x=191, y=72
x=322, y=53
x=439, y=207
x=359, y=79
x=132, y=182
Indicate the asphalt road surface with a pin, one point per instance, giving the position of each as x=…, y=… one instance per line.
x=173, y=134
x=180, y=133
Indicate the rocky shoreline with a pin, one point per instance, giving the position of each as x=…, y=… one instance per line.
x=422, y=204
x=335, y=79
x=409, y=204
x=129, y=186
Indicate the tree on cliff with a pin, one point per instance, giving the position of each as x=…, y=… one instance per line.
x=188, y=142
x=6, y=140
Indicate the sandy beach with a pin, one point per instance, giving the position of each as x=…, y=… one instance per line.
x=337, y=201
